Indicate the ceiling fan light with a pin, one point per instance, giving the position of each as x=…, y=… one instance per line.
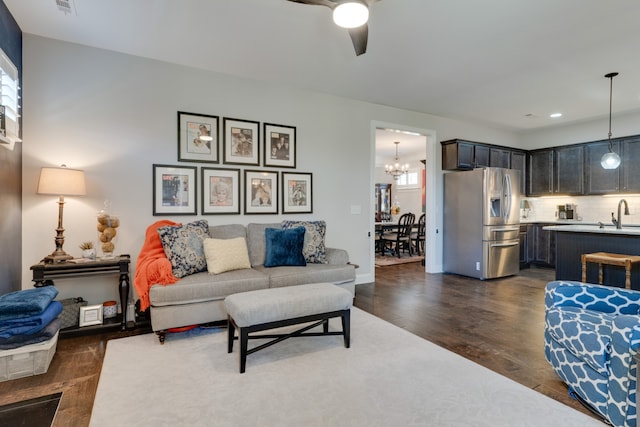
x=610, y=160
x=351, y=14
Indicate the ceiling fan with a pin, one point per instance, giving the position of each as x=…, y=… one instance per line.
x=350, y=14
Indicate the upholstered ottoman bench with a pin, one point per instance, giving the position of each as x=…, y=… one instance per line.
x=264, y=309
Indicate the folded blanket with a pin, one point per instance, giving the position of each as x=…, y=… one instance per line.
x=45, y=334
x=30, y=324
x=27, y=302
x=152, y=266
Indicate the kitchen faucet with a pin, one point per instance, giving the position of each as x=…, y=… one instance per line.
x=618, y=222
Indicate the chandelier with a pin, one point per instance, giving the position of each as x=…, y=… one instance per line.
x=396, y=169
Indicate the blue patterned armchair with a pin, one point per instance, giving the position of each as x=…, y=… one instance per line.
x=591, y=337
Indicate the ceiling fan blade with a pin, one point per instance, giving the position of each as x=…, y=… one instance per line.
x=359, y=38
x=327, y=3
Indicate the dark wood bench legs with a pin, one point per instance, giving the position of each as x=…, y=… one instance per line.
x=319, y=319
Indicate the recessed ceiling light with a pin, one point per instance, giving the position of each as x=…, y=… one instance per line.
x=555, y=115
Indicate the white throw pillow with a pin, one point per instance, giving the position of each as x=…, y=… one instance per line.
x=226, y=254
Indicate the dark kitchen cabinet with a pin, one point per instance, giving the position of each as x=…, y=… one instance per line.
x=599, y=180
x=557, y=170
x=541, y=245
x=483, y=156
x=540, y=172
x=569, y=170
x=519, y=163
x=630, y=167
x=523, y=246
x=499, y=158
x=458, y=154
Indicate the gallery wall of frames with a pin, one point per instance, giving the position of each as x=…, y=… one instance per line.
x=233, y=175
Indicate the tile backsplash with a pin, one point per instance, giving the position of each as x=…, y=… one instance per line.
x=589, y=209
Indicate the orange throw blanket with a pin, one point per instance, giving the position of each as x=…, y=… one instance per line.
x=152, y=266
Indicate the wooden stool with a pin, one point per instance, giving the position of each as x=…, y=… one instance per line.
x=621, y=260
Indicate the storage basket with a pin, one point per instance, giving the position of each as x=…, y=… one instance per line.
x=110, y=309
x=27, y=360
x=71, y=311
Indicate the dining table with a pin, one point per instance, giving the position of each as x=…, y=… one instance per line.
x=383, y=226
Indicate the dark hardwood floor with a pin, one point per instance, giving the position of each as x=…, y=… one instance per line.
x=496, y=323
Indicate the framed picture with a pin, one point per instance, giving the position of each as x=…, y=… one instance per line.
x=260, y=192
x=241, y=142
x=90, y=315
x=197, y=138
x=279, y=145
x=174, y=190
x=297, y=193
x=220, y=191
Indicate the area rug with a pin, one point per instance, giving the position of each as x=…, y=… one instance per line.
x=383, y=261
x=389, y=377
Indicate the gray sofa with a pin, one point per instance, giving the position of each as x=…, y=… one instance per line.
x=199, y=298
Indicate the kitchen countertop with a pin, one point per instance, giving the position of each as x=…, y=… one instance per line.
x=556, y=221
x=632, y=230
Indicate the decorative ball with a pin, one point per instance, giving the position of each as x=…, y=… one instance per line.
x=108, y=247
x=110, y=233
x=103, y=219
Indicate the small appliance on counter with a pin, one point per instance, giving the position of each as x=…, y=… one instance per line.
x=567, y=211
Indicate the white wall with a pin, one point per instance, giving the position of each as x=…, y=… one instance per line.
x=622, y=125
x=114, y=115
x=410, y=199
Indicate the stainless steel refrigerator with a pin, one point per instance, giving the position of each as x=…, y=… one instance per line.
x=482, y=223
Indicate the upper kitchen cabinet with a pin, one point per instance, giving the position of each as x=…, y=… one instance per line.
x=518, y=162
x=458, y=154
x=569, y=170
x=598, y=180
x=499, y=158
x=630, y=167
x=625, y=179
x=483, y=156
x=540, y=172
x=557, y=170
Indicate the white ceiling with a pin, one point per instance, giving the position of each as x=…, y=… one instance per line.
x=489, y=61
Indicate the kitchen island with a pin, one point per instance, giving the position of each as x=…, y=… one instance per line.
x=574, y=240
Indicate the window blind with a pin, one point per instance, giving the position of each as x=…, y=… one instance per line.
x=10, y=100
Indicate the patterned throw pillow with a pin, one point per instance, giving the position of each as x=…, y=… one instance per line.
x=313, y=249
x=183, y=246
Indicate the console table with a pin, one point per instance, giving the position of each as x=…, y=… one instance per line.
x=45, y=273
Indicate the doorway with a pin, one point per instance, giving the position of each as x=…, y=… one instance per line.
x=419, y=148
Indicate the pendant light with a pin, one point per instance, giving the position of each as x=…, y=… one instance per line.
x=610, y=160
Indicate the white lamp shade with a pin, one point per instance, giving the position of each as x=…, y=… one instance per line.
x=350, y=14
x=62, y=182
x=610, y=160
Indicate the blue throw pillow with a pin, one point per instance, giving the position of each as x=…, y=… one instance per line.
x=284, y=247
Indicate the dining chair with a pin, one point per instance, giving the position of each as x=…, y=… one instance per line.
x=401, y=237
x=417, y=237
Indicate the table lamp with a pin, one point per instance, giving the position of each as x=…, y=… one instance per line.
x=61, y=182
